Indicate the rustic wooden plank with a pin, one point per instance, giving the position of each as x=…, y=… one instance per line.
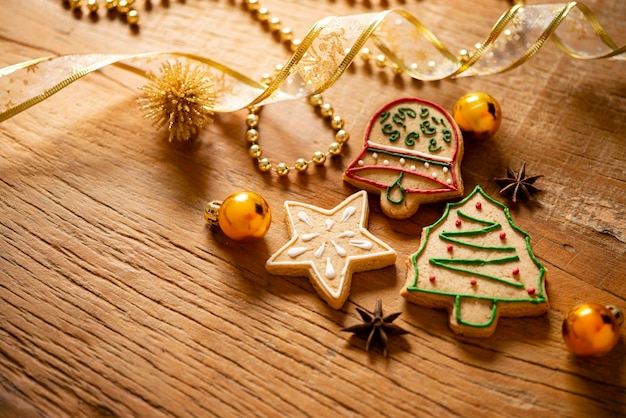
x=117, y=300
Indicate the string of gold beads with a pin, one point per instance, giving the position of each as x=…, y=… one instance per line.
x=301, y=164
x=262, y=15
x=274, y=24
x=123, y=7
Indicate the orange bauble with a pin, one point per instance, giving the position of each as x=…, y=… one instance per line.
x=478, y=115
x=242, y=216
x=591, y=329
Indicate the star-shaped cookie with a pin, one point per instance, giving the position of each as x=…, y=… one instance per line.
x=329, y=246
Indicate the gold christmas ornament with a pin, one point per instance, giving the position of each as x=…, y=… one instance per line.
x=591, y=329
x=478, y=115
x=243, y=216
x=182, y=98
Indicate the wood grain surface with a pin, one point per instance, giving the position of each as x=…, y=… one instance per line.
x=117, y=300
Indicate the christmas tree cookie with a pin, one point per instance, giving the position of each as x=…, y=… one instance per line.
x=478, y=264
x=411, y=155
x=329, y=246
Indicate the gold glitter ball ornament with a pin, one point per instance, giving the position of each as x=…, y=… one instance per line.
x=181, y=97
x=591, y=329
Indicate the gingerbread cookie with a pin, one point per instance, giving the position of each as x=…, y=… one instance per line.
x=478, y=264
x=411, y=155
x=329, y=246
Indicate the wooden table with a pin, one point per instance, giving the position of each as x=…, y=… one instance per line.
x=117, y=300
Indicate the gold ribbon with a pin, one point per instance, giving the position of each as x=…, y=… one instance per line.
x=329, y=48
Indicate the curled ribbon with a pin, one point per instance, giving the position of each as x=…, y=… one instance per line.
x=332, y=44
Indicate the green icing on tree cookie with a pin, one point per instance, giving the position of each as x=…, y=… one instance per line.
x=475, y=260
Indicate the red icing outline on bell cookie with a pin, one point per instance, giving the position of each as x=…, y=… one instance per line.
x=399, y=127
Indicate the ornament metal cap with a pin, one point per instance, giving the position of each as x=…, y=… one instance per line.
x=211, y=212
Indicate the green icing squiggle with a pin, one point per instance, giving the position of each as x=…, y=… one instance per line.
x=490, y=226
x=396, y=184
x=447, y=263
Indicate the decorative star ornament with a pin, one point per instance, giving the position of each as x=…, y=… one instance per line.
x=376, y=326
x=329, y=246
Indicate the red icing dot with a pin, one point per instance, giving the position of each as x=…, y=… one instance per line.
x=515, y=271
x=458, y=222
x=431, y=278
x=473, y=282
x=502, y=235
x=449, y=248
x=531, y=290
x=479, y=205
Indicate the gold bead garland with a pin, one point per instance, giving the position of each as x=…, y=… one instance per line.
x=286, y=36
x=301, y=164
x=274, y=24
x=262, y=15
x=123, y=7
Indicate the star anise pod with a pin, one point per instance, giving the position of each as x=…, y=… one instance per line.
x=376, y=326
x=517, y=185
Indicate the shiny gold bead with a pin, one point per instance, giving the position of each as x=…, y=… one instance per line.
x=295, y=44
x=252, y=135
x=92, y=6
x=266, y=79
x=337, y=122
x=274, y=24
x=252, y=120
x=366, y=54
x=132, y=17
x=342, y=136
x=319, y=158
x=255, y=151
x=123, y=6
x=396, y=69
x=334, y=148
x=265, y=165
x=263, y=14
x=464, y=55
x=381, y=61
x=301, y=164
x=110, y=4
x=76, y=4
x=282, y=169
x=252, y=5
x=286, y=35
x=278, y=69
x=316, y=100
x=326, y=110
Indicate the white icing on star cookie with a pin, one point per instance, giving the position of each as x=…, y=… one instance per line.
x=329, y=246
